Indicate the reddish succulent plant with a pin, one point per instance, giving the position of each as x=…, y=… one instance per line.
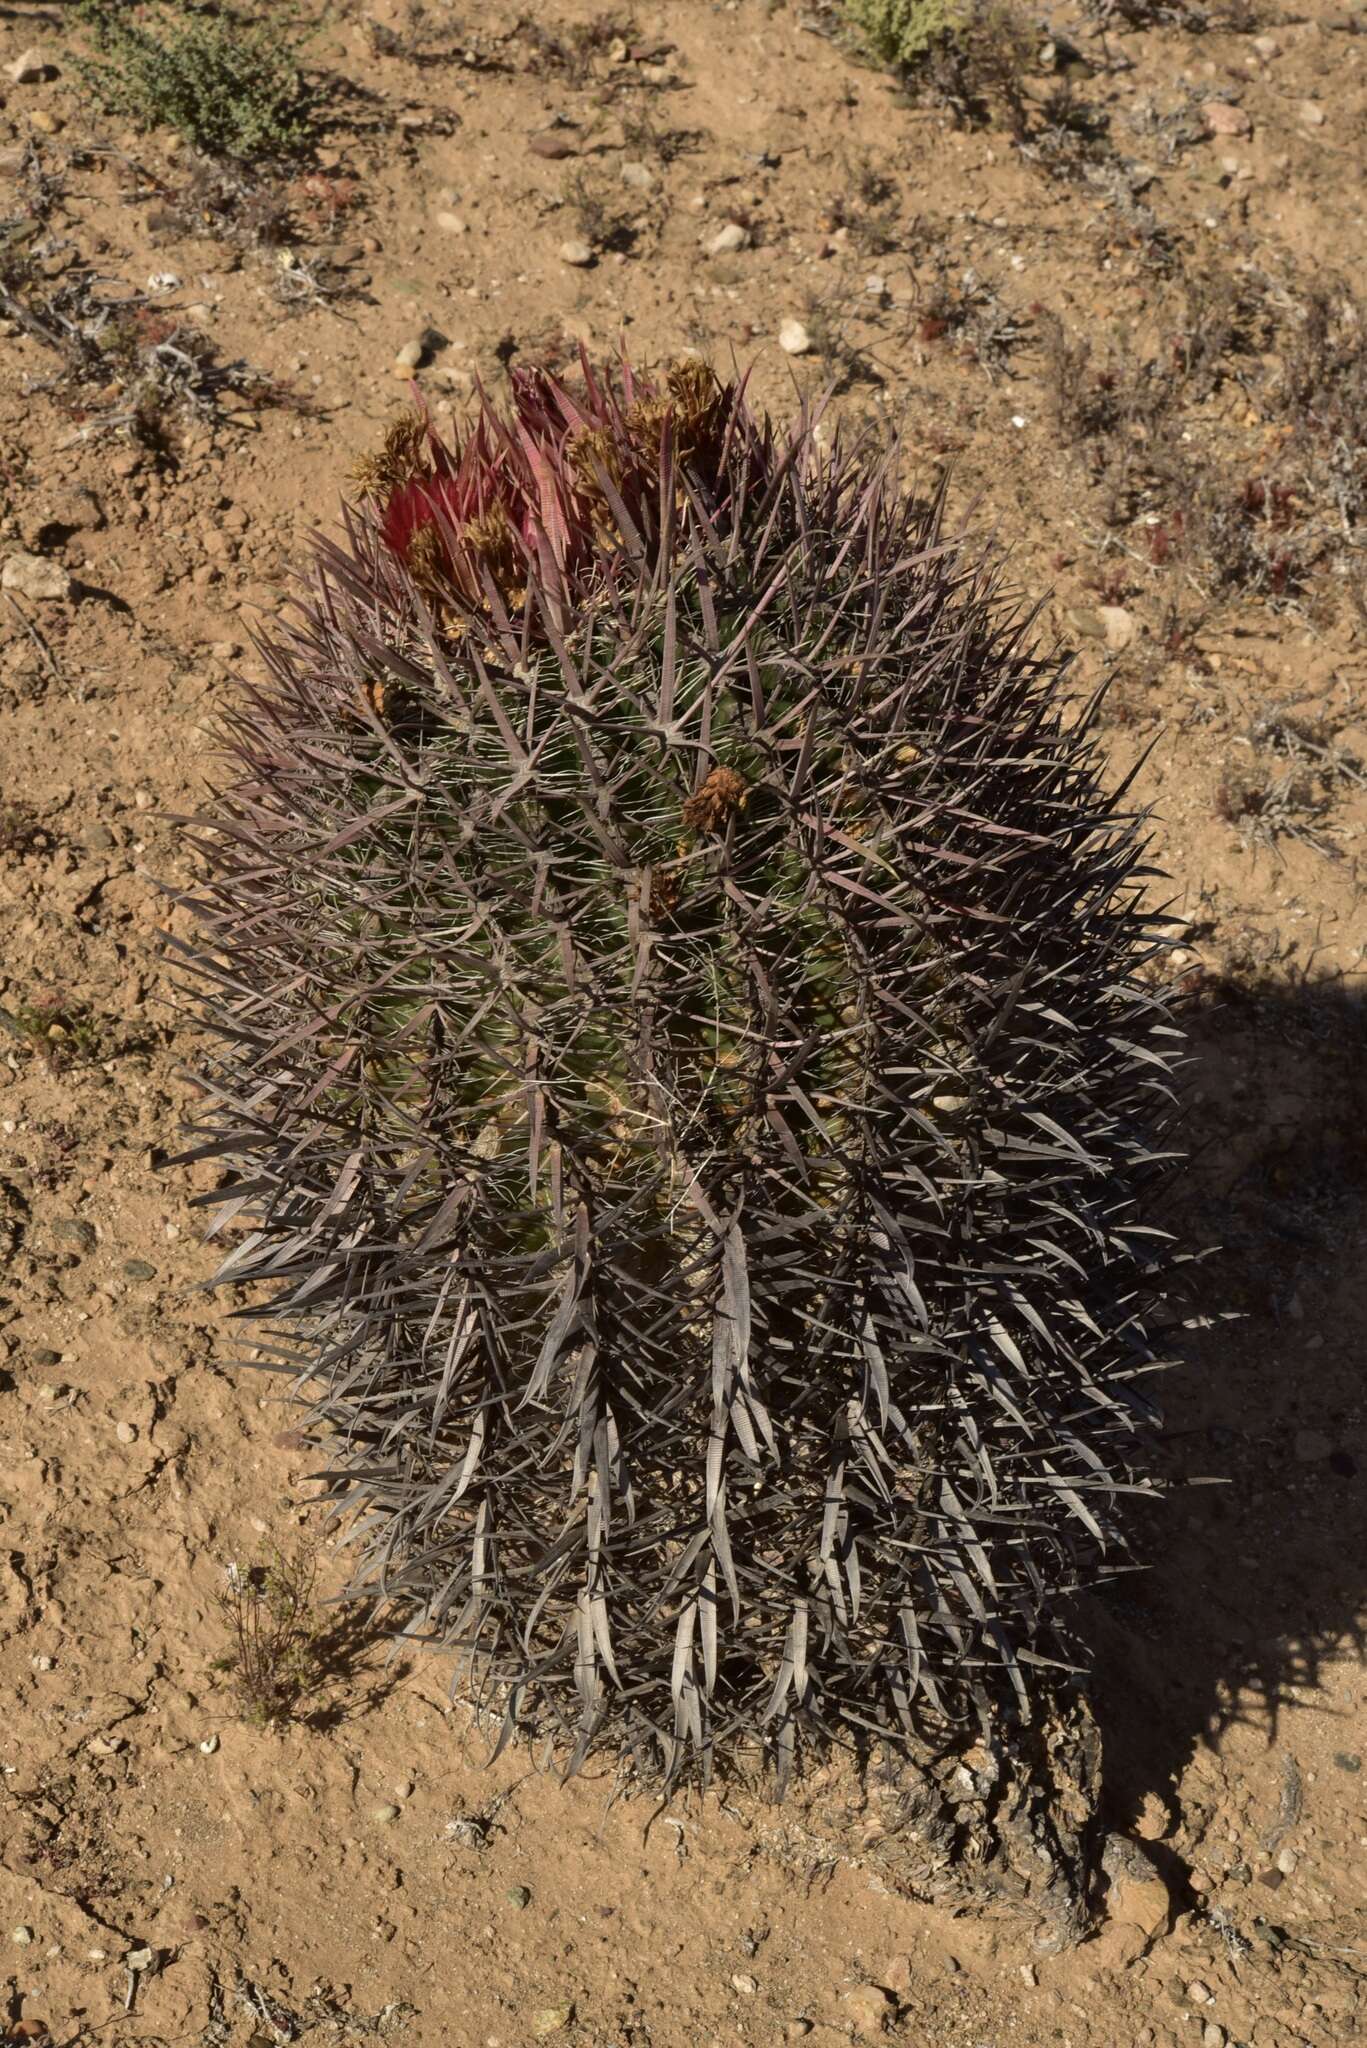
x=533, y=495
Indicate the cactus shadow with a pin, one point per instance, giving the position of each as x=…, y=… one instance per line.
x=1258, y=1572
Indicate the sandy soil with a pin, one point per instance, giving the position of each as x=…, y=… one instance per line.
x=1178, y=496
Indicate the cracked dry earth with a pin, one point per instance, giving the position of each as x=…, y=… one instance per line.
x=168, y=1872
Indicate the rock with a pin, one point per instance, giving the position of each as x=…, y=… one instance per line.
x=1287, y=1860
x=728, y=239
x=1117, y=626
x=870, y=2007
x=639, y=176
x=1311, y=115
x=552, y=143
x=34, y=576
x=793, y=338
x=28, y=69
x=22, y=1937
x=1154, y=1821
x=552, y=2019
x=209, y=1745
x=1199, y=1993
x=138, y=1269
x=897, y=1975
x=1118, y=1945
x=519, y=1896
x=408, y=359
x=126, y=1432
x=1222, y=119
x=1311, y=1446
x=1267, y=47
x=452, y=224
x=384, y=1814
x=74, y=1230
x=745, y=1984
x=797, y=2030
x=1347, y=1760
x=575, y=252
x=1212, y=2036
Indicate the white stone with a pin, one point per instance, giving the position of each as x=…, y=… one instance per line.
x=793, y=338
x=728, y=239
x=577, y=253
x=35, y=576
x=27, y=69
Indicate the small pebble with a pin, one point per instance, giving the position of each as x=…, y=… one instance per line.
x=74, y=1230
x=384, y=1814
x=639, y=176
x=209, y=1745
x=1287, y=1860
x=452, y=224
x=793, y=338
x=797, y=2030
x=22, y=1936
x=728, y=239
x=1212, y=2036
x=42, y=1663
x=139, y=1269
x=404, y=1789
x=1347, y=1760
x=105, y=1745
x=1198, y=1993
x=519, y=1896
x=552, y=2019
x=126, y=1432
x=745, y=1984
x=1312, y=115
x=1267, y=47
x=869, y=2007
x=1222, y=119
x=408, y=358
x=579, y=255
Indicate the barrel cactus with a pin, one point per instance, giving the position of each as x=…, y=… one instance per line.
x=687, y=1084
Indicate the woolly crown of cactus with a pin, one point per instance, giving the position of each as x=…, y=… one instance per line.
x=684, y=1084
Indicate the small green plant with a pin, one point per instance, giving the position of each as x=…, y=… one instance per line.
x=62, y=1031
x=902, y=31
x=277, y=1663
x=230, y=84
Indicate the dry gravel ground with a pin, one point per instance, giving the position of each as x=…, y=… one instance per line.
x=1129, y=329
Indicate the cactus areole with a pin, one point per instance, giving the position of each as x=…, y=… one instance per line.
x=688, y=1098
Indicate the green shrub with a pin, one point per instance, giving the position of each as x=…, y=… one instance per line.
x=229, y=84
x=902, y=31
